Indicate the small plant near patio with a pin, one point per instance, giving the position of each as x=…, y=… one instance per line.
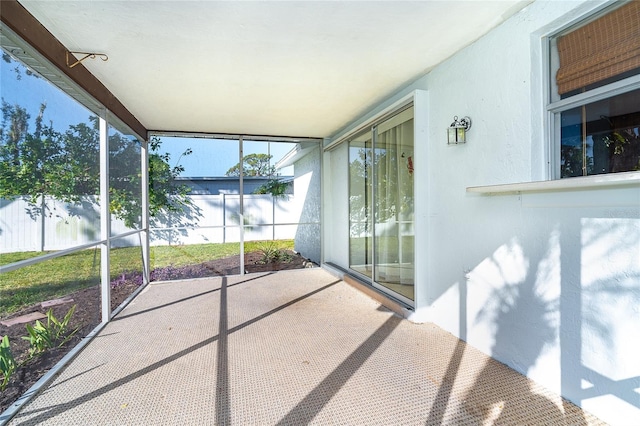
x=271, y=253
x=52, y=335
x=7, y=363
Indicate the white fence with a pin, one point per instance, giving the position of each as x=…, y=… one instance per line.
x=51, y=225
x=216, y=219
x=210, y=219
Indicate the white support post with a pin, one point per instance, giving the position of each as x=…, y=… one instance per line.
x=43, y=230
x=146, y=263
x=224, y=218
x=372, y=205
x=241, y=213
x=273, y=199
x=322, y=180
x=105, y=220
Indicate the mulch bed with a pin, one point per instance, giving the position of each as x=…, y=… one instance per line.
x=87, y=315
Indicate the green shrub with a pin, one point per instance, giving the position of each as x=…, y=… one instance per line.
x=52, y=335
x=7, y=363
x=271, y=253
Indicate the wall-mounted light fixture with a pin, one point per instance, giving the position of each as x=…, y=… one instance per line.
x=457, y=131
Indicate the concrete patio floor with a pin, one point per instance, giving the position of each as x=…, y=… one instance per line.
x=288, y=348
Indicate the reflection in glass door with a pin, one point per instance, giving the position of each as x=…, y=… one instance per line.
x=381, y=204
x=360, y=187
x=393, y=204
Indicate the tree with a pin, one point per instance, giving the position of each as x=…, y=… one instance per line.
x=30, y=163
x=254, y=165
x=275, y=187
x=360, y=181
x=164, y=193
x=394, y=185
x=66, y=166
x=18, y=69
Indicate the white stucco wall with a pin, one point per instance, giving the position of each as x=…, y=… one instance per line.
x=336, y=206
x=547, y=282
x=306, y=186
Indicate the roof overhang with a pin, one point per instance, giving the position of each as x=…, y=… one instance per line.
x=263, y=68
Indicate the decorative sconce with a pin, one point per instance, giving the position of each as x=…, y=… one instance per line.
x=457, y=131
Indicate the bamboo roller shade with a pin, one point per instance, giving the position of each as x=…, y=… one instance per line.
x=601, y=49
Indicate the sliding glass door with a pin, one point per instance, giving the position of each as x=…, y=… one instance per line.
x=360, y=204
x=381, y=205
x=393, y=204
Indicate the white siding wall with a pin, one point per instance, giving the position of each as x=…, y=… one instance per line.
x=546, y=282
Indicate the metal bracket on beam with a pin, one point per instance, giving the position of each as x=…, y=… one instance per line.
x=87, y=55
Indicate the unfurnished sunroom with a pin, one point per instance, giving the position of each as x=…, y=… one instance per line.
x=475, y=165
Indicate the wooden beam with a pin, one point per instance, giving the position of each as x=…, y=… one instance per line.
x=20, y=21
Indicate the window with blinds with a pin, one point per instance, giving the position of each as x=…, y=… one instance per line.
x=600, y=50
x=596, y=94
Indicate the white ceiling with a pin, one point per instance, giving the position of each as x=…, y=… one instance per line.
x=303, y=68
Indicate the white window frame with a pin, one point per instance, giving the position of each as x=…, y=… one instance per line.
x=555, y=106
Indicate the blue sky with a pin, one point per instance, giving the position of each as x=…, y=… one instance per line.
x=210, y=157
x=16, y=87
x=213, y=157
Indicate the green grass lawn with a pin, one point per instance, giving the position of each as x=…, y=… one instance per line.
x=66, y=274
